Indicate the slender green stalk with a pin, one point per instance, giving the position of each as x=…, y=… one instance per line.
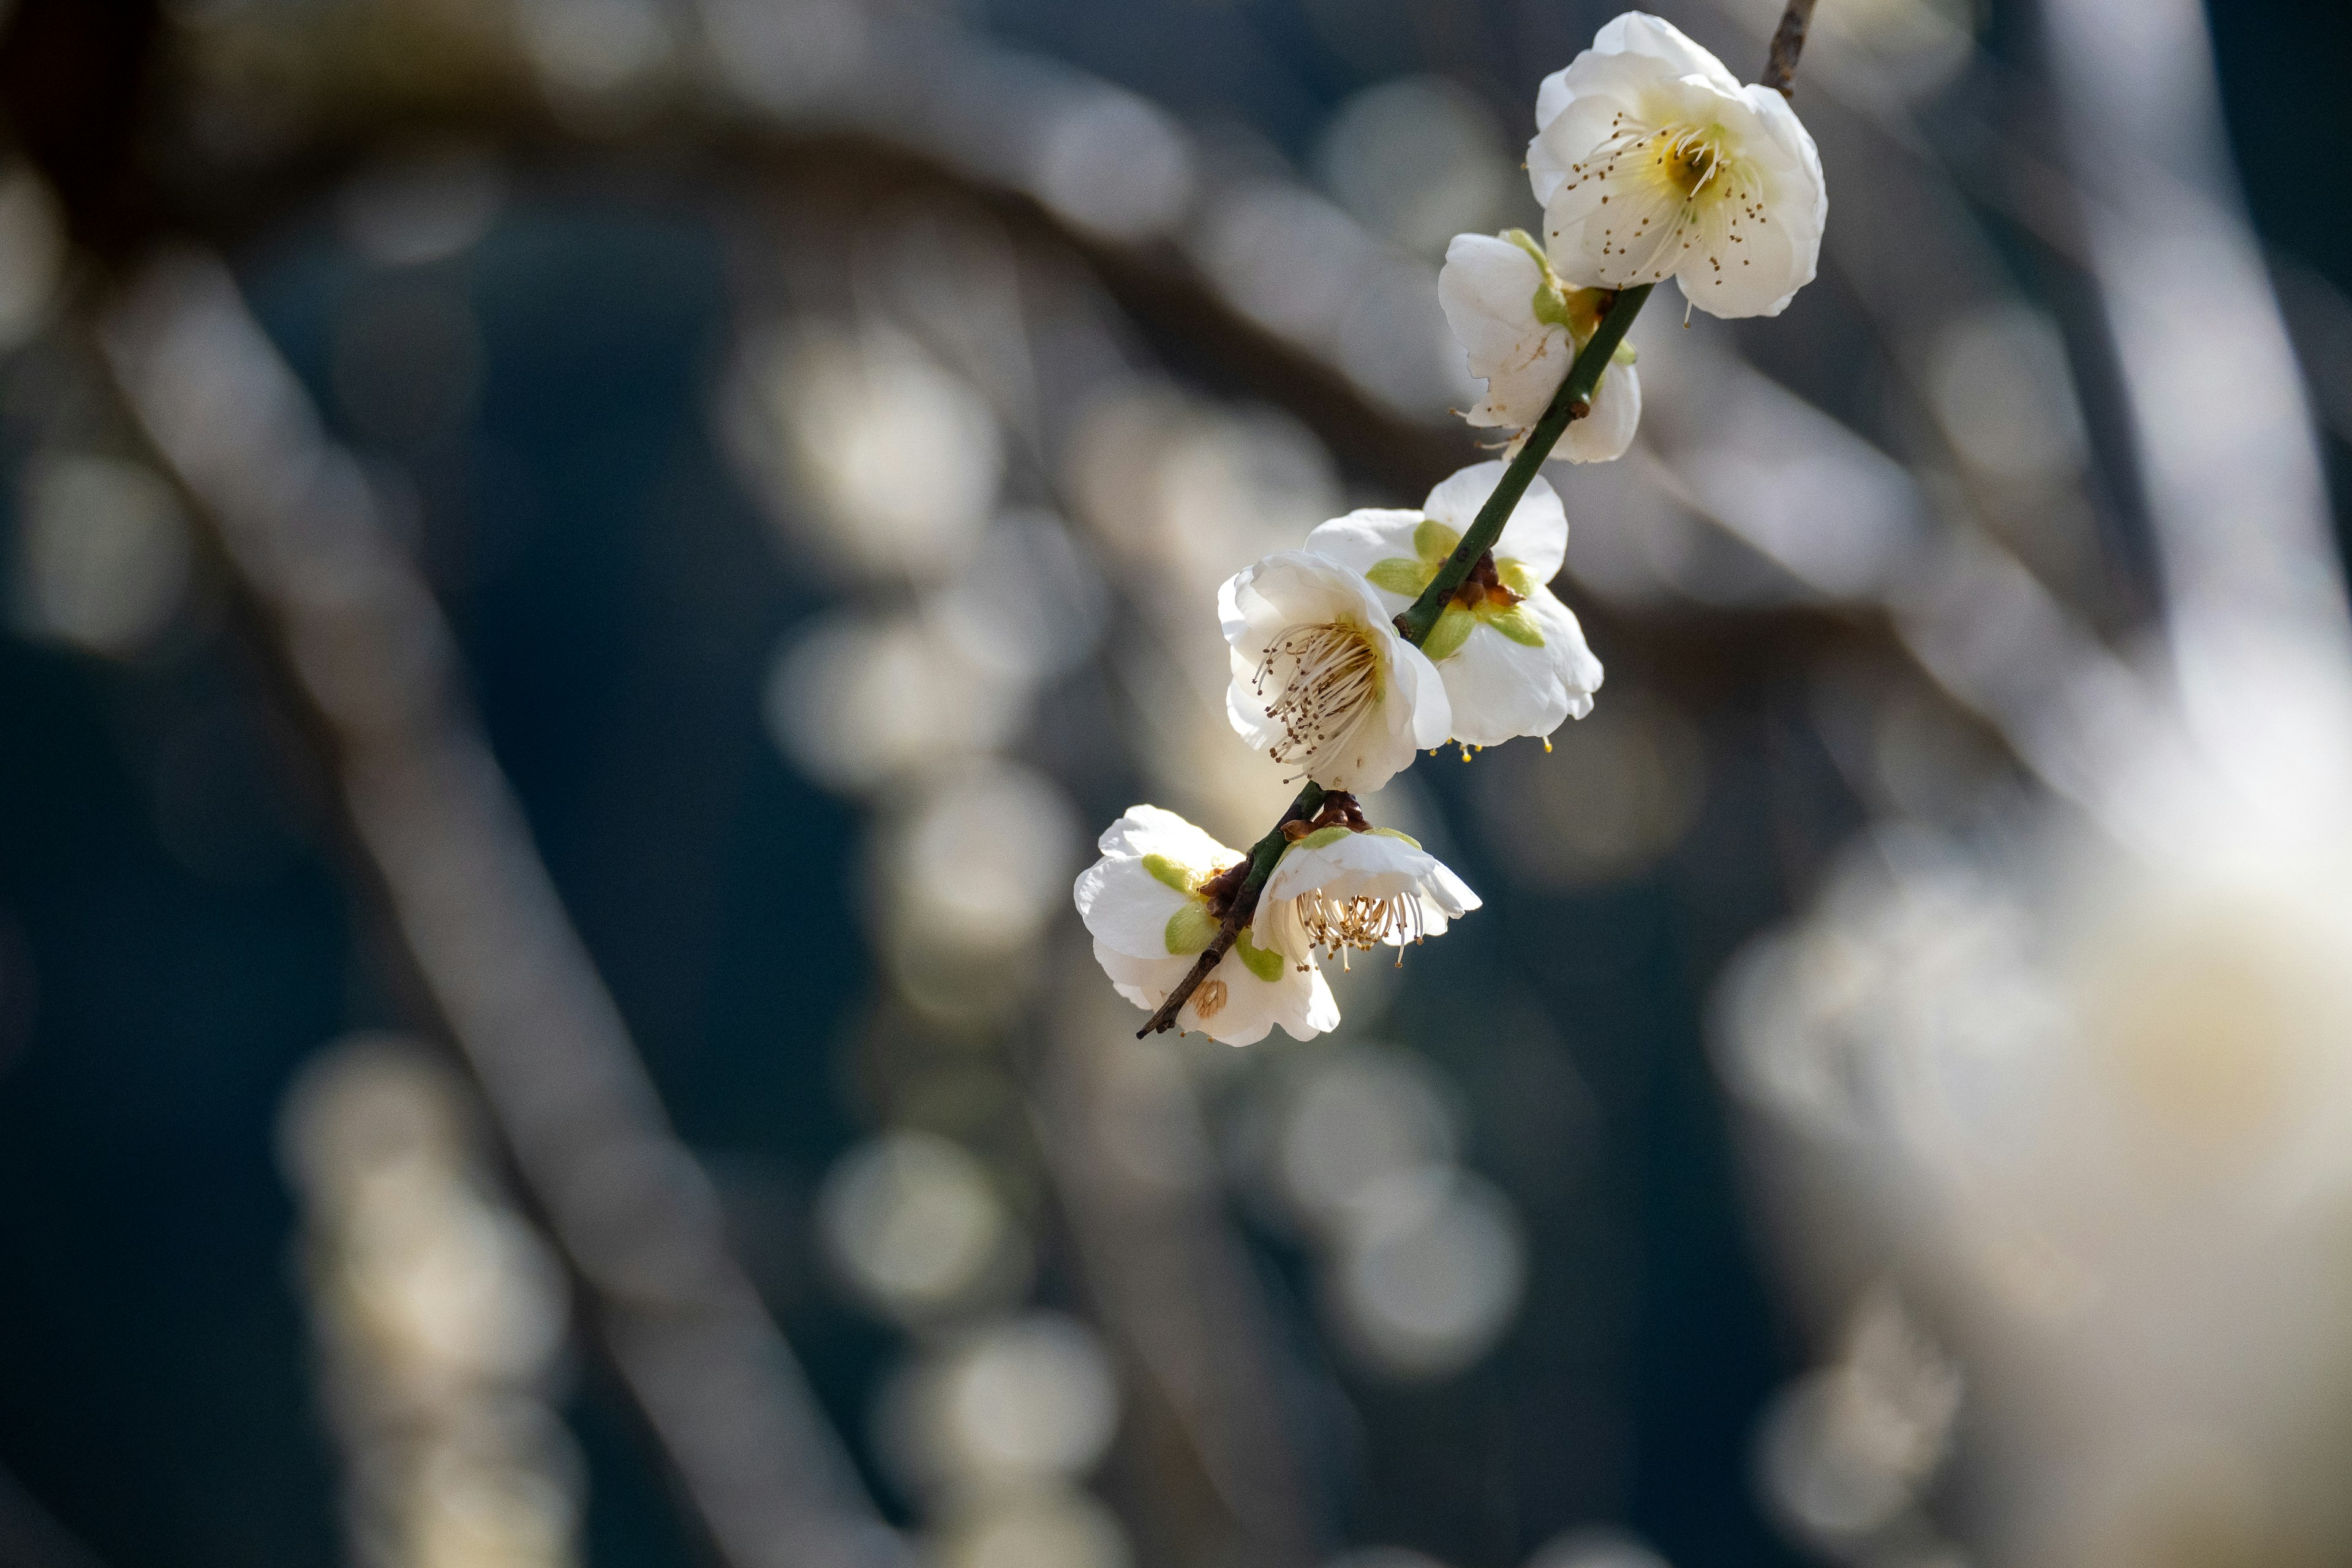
x=1573, y=401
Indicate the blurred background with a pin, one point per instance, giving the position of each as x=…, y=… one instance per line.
x=579, y=574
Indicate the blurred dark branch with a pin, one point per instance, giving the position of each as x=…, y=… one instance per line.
x=1139, y=1188
x=1788, y=43
x=480, y=922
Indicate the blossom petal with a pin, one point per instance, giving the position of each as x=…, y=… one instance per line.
x=1574, y=664
x=1233, y=1004
x=1153, y=830
x=1431, y=715
x=1603, y=435
x=1640, y=34
x=1487, y=289
x=1363, y=539
x=1500, y=688
x=1537, y=531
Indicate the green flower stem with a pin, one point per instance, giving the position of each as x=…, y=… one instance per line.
x=1573, y=401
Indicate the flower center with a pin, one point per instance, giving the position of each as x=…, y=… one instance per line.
x=1342, y=926
x=1326, y=678
x=1687, y=157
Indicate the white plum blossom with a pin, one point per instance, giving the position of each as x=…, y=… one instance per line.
x=1343, y=890
x=1653, y=162
x=1321, y=677
x=1513, y=660
x=1521, y=327
x=1144, y=906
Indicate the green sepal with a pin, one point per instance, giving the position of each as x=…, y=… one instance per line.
x=1452, y=630
x=1550, y=308
x=1402, y=837
x=1399, y=575
x=1625, y=354
x=1515, y=624
x=1191, y=929
x=1526, y=242
x=1517, y=577
x=1261, y=961
x=1322, y=836
x=1433, y=541
x=1167, y=871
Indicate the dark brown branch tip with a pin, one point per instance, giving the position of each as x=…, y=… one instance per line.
x=1788, y=44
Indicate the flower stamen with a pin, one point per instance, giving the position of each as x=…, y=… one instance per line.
x=1328, y=677
x=1342, y=926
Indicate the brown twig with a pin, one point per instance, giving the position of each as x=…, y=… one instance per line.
x=1788, y=43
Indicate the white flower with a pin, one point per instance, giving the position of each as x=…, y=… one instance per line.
x=1512, y=657
x=1522, y=327
x=1652, y=162
x=1342, y=891
x=1143, y=905
x=1321, y=677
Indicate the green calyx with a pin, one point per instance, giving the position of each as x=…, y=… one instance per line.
x=1576, y=312
x=1432, y=543
x=1191, y=929
x=1264, y=962
x=1322, y=836
x=1183, y=879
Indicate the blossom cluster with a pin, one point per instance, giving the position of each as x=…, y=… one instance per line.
x=1650, y=161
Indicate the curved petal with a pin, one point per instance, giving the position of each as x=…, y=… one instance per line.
x=1536, y=533
x=1487, y=289
x=1431, y=717
x=1145, y=982
x=1574, y=664
x=1127, y=909
x=1234, y=1006
x=1363, y=539
x=1290, y=588
x=1639, y=34
x=1500, y=688
x=1603, y=435
x=1154, y=830
x=1445, y=896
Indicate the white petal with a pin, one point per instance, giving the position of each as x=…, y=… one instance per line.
x=1579, y=108
x=1243, y=1009
x=1246, y=710
x=1290, y=588
x=1537, y=531
x=1152, y=830
x=1365, y=865
x=1603, y=435
x=1574, y=664
x=1374, y=864
x=1418, y=680
x=1146, y=982
x=1363, y=539
x=1444, y=893
x=1500, y=688
x=1127, y=908
x=1487, y=289
x=1639, y=34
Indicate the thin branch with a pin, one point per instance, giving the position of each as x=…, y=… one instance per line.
x=1788, y=43
x=1573, y=401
